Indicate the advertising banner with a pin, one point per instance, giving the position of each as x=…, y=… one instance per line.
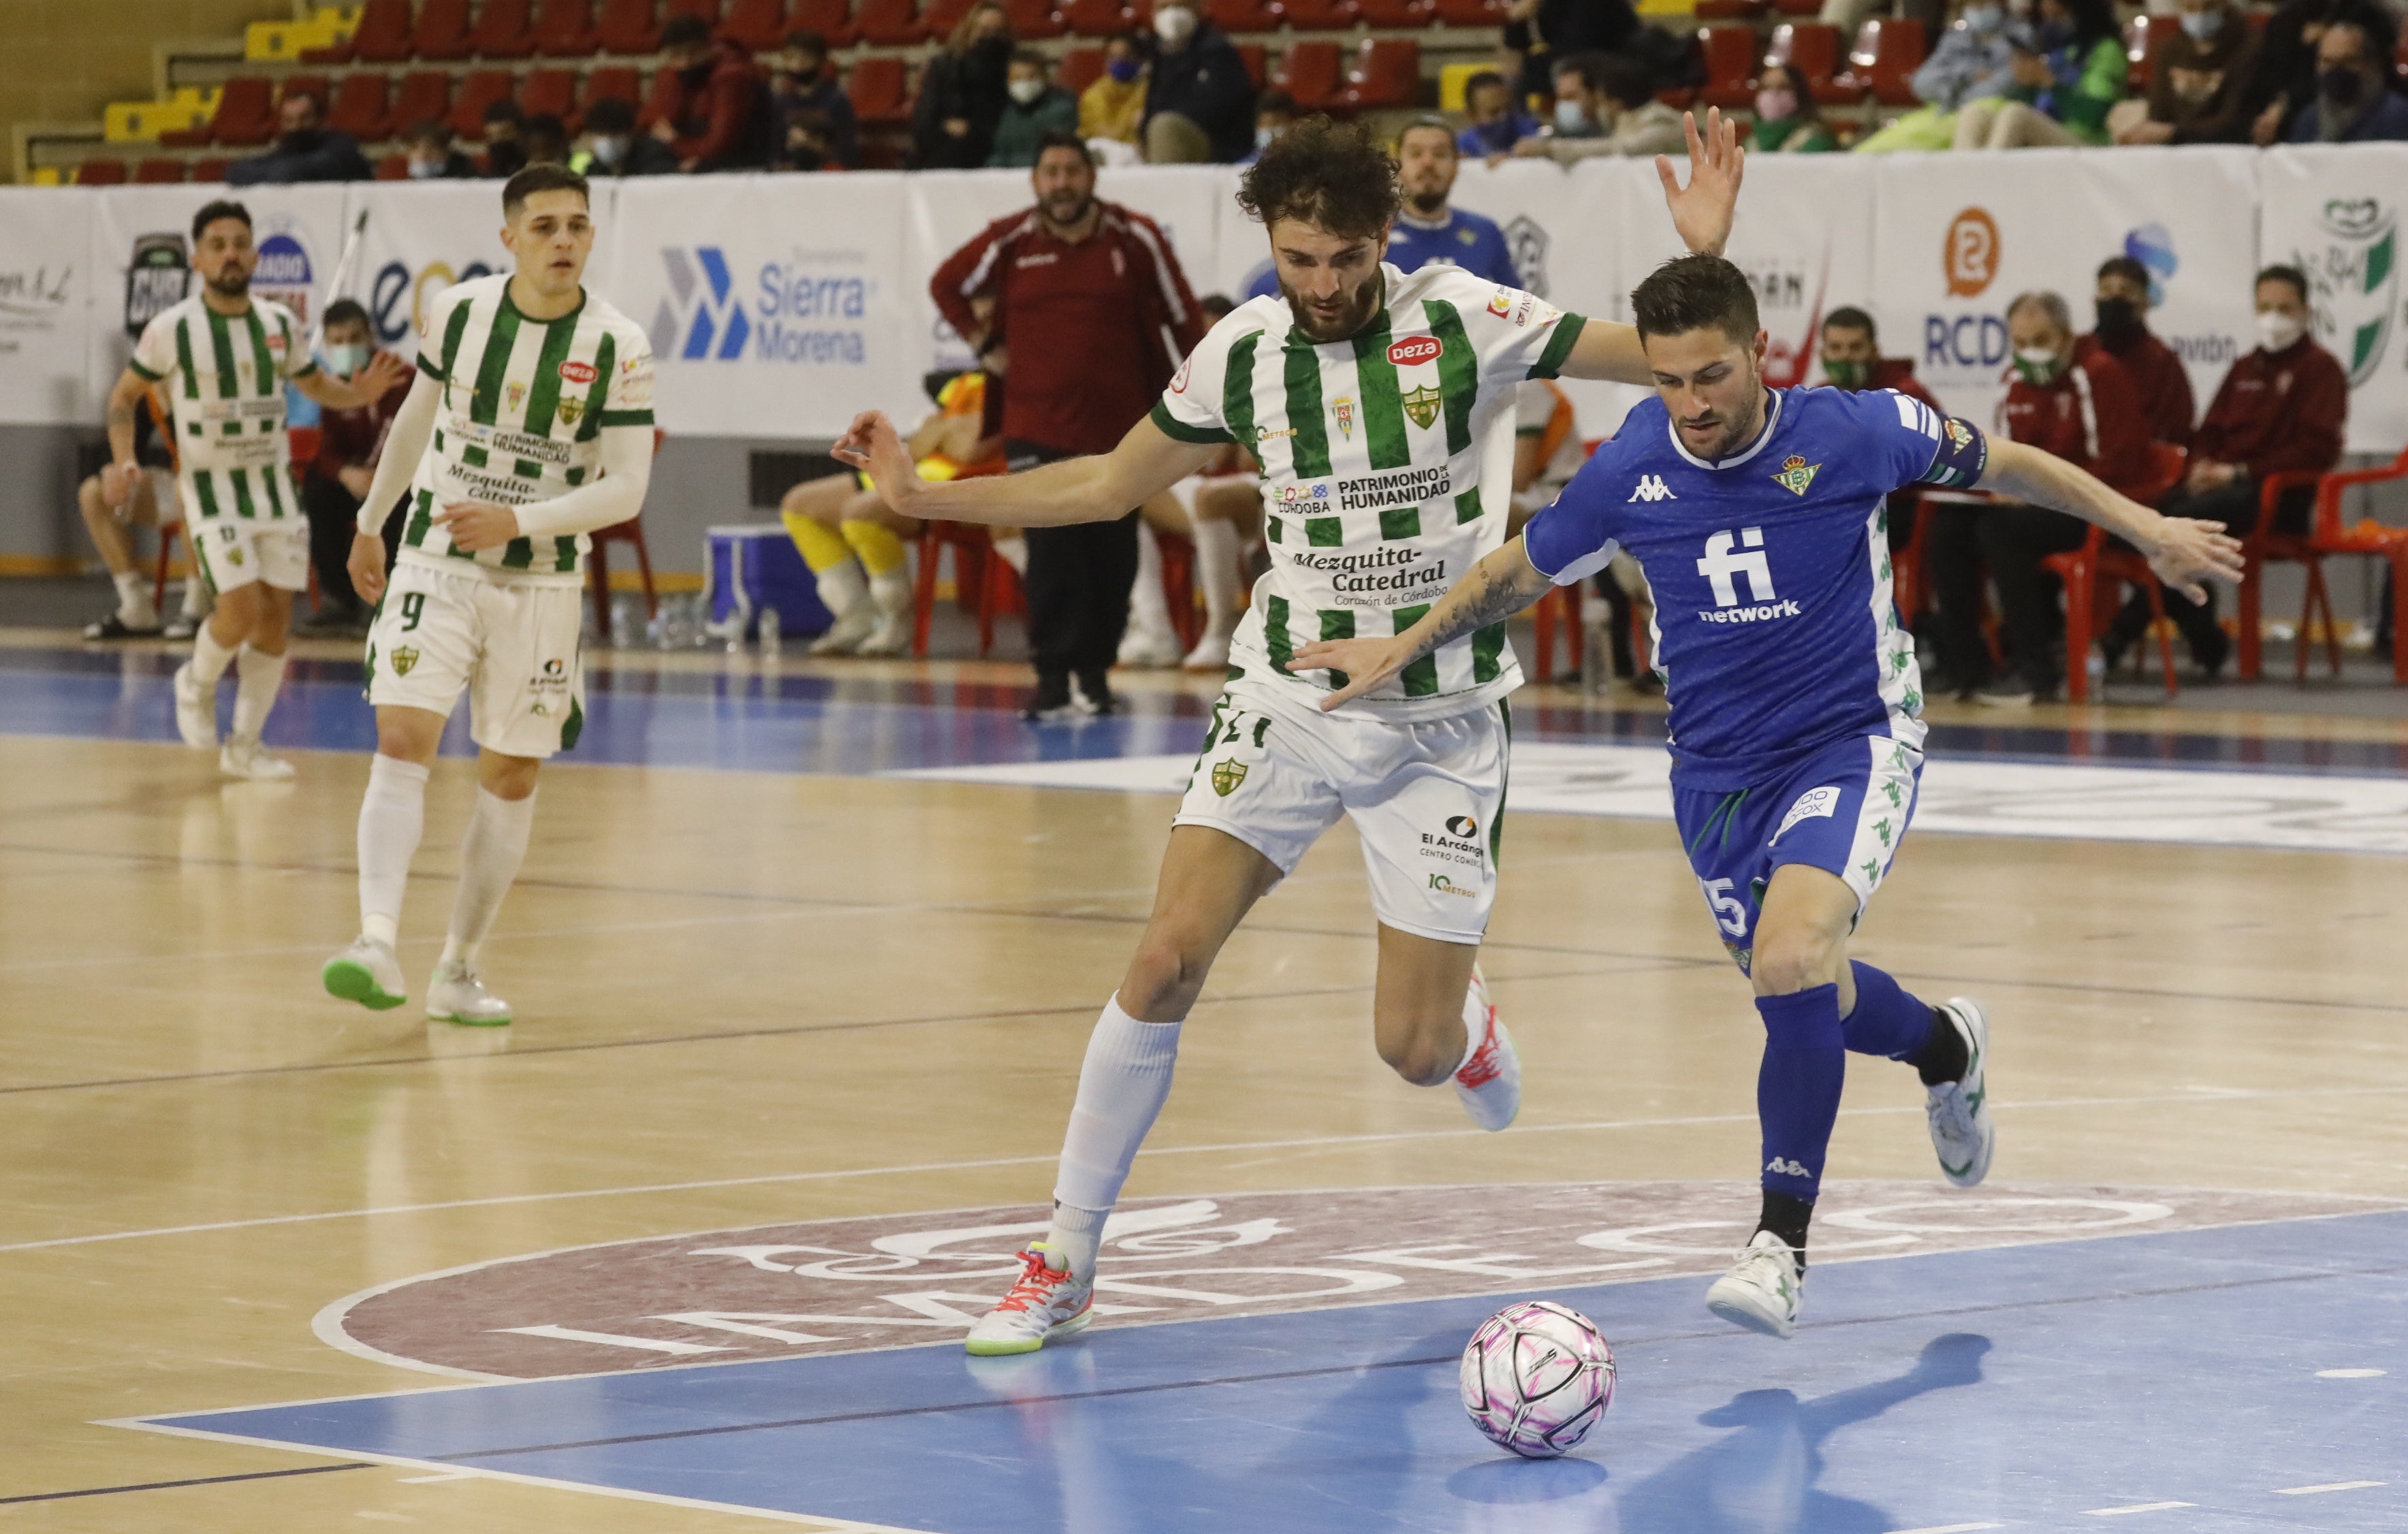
x=44, y=292
x=421, y=238
x=2334, y=213
x=1559, y=225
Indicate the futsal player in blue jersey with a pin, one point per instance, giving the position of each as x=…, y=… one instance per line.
x=1796, y=729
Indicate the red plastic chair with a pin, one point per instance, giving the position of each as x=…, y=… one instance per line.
x=504, y=29
x=1256, y=58
x=210, y=170
x=100, y=172
x=1093, y=17
x=424, y=94
x=550, y=90
x=758, y=25
x=158, y=172
x=564, y=29
x=1397, y=15
x=1179, y=586
x=628, y=26
x=359, y=108
x=2145, y=37
x=611, y=81
x=1244, y=15
x=879, y=91
x=1387, y=72
x=937, y=18
x=831, y=19
x=246, y=115
x=1474, y=13
x=2094, y=574
x=393, y=167
x=1728, y=10
x=1557, y=611
x=1811, y=49
x=443, y=33
x=2326, y=538
x=705, y=11
x=982, y=582
x=1310, y=71
x=1882, y=64
x=1032, y=19
x=1798, y=8
x=478, y=89
x=313, y=85
x=1079, y=68
x=382, y=36
x=888, y=24
x=1317, y=16
x=1730, y=65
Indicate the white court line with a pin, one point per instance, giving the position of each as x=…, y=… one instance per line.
x=436, y=1480
x=2349, y=1374
x=1309, y=1143
x=2331, y=1485
x=1947, y=1529
x=2137, y=1506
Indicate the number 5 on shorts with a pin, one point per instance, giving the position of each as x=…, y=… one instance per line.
x=1728, y=914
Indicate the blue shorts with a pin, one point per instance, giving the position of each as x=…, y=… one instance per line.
x=1843, y=811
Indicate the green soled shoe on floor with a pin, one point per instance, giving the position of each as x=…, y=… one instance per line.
x=366, y=972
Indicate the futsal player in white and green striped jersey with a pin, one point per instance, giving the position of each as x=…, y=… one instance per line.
x=1380, y=405
x=222, y=358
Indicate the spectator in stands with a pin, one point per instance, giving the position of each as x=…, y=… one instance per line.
x=1037, y=107
x=2280, y=409
x=2123, y=309
x=1545, y=33
x=2070, y=66
x=1428, y=232
x=1201, y=103
x=801, y=81
x=1112, y=107
x=1275, y=113
x=810, y=144
x=1092, y=316
x=338, y=476
x=714, y=104
x=151, y=501
x=1852, y=359
x=306, y=149
x=962, y=93
x=1497, y=121
x=614, y=148
x=1973, y=62
x=2355, y=100
x=2199, y=93
x=431, y=157
x=1605, y=103
x=2286, y=65
x=2087, y=412
x=505, y=156
x=1787, y=120
x=544, y=138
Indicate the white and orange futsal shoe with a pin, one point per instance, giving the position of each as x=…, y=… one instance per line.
x=1047, y=1304
x=1489, y=1081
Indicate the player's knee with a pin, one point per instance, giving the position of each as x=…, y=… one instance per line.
x=1792, y=958
x=1165, y=975
x=1418, y=1055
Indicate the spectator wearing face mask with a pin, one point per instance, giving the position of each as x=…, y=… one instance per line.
x=712, y=109
x=963, y=92
x=504, y=155
x=800, y=82
x=1112, y=107
x=2355, y=100
x=2122, y=333
x=2200, y=92
x=1497, y=122
x=1199, y=105
x=1973, y=62
x=431, y=157
x=306, y=149
x=2070, y=66
x=348, y=445
x=1275, y=113
x=614, y=148
x=1787, y=122
x=1605, y=103
x=1036, y=107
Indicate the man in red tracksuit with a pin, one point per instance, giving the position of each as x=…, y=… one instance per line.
x=2280, y=409
x=2122, y=333
x=708, y=105
x=2087, y=412
x=1092, y=317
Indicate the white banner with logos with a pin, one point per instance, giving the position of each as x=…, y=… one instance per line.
x=45, y=296
x=1956, y=237
x=422, y=236
x=2334, y=213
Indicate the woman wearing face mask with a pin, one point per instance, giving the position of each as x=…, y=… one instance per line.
x=1971, y=62
x=2070, y=66
x=962, y=91
x=1786, y=119
x=1113, y=107
x=1038, y=107
x=1201, y=103
x=2199, y=91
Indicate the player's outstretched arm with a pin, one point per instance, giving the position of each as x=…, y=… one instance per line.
x=1496, y=588
x=2184, y=553
x=405, y=443
x=1701, y=212
x=1098, y=487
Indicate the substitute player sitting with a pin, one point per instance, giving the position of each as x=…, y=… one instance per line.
x=222, y=357
x=529, y=426
x=1380, y=405
x=1796, y=729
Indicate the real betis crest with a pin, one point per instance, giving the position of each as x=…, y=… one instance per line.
x=403, y=659
x=1423, y=403
x=1796, y=474
x=1226, y=776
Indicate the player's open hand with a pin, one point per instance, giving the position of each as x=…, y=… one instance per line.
x=2190, y=553
x=872, y=445
x=1367, y=663
x=477, y=525
x=379, y=375
x=367, y=567
x=1703, y=209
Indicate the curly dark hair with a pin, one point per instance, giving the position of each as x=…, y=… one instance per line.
x=1691, y=292
x=1334, y=176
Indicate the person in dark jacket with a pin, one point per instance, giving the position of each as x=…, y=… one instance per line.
x=504, y=155
x=306, y=149
x=614, y=148
x=962, y=93
x=712, y=115
x=2356, y=101
x=431, y=157
x=1037, y=108
x=2123, y=331
x=800, y=82
x=2200, y=92
x=1201, y=103
x=1545, y=31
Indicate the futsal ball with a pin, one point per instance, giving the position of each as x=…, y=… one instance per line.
x=1536, y=1377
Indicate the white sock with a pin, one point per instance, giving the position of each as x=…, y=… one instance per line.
x=1475, y=1028
x=1216, y=570
x=254, y=694
x=842, y=589
x=1120, y=1089
x=1149, y=608
x=1078, y=1234
x=209, y=658
x=197, y=596
x=393, y=816
x=134, y=608
x=1015, y=553
x=490, y=855
x=892, y=592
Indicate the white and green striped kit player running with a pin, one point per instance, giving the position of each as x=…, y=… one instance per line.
x=524, y=404
x=224, y=377
x=1387, y=470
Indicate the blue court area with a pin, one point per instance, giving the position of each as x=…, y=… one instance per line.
x=2243, y=1379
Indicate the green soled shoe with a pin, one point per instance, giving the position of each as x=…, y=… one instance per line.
x=366, y=972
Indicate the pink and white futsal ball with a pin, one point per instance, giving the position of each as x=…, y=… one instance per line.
x=1536, y=1377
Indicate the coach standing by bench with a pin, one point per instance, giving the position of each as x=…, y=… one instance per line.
x=1092, y=317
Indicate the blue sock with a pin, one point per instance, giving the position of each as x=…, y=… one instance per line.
x=1798, y=1086
x=1886, y=1021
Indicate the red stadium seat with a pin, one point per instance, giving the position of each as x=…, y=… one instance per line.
x=246, y=115
x=359, y=108
x=478, y=89
x=879, y=91
x=424, y=94
x=658, y=97
x=937, y=18
x=1387, y=72
x=1811, y=49
x=611, y=79
x=393, y=167
x=1474, y=13
x=442, y=31
x=888, y=24
x=2144, y=36
x=552, y=91
x=564, y=29
x=628, y=26
x=210, y=170
x=830, y=19
x=1079, y=68
x=313, y=85
x=340, y=51
x=1882, y=64
x=1310, y=71
x=100, y=173
x=1730, y=65
x=1257, y=62
x=1317, y=15
x=382, y=36
x=1244, y=15
x=1728, y=10
x=705, y=11
x=758, y=25
x=1093, y=17
x=159, y=172
x=504, y=29
x=1033, y=18
x=1798, y=8
x=1395, y=14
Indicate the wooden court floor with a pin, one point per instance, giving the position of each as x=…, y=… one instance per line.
x=751, y=998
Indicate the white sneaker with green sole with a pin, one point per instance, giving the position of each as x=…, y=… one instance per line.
x=1047, y=1304
x=1959, y=1111
x=366, y=972
x=1763, y=1290
x=457, y=994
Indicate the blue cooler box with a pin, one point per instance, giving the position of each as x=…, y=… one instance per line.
x=747, y=568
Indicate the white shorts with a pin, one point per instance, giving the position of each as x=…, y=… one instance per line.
x=238, y=550
x=513, y=647
x=1427, y=800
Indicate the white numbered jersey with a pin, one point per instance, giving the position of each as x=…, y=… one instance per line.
x=1387, y=466
x=224, y=376
x=524, y=406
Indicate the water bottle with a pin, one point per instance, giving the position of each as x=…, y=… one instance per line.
x=771, y=633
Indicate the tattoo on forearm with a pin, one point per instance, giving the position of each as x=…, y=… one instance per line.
x=1490, y=597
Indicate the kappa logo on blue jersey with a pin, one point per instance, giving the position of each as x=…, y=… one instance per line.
x=700, y=320
x=1730, y=555
x=1653, y=488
